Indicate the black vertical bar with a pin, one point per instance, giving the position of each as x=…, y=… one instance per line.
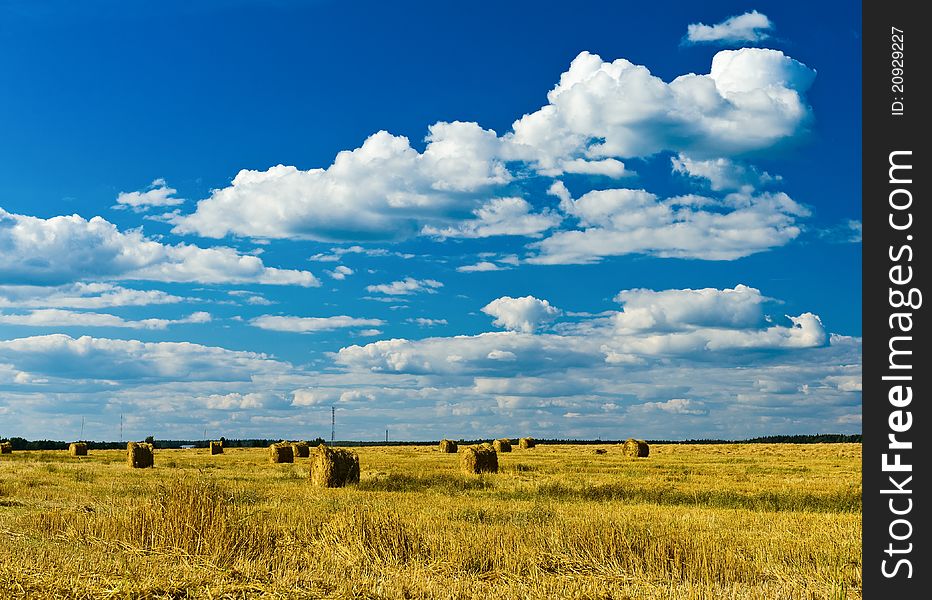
x=896, y=168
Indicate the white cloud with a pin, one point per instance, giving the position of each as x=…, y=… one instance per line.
x=748, y=27
x=340, y=272
x=240, y=401
x=525, y=314
x=499, y=216
x=425, y=322
x=678, y=406
x=81, y=295
x=405, y=287
x=380, y=191
x=61, y=357
x=336, y=254
x=723, y=173
x=683, y=324
x=609, y=167
x=599, y=112
x=311, y=324
x=751, y=99
x=679, y=309
x=158, y=194
x=54, y=317
x=67, y=249
x=479, y=267
x=624, y=221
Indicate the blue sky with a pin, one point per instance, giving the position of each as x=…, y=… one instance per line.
x=461, y=220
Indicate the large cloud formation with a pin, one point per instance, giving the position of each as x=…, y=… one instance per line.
x=67, y=249
x=598, y=113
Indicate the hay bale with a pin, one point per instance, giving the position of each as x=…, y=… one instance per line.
x=635, y=448
x=502, y=445
x=525, y=443
x=479, y=459
x=300, y=449
x=281, y=453
x=448, y=446
x=6, y=448
x=77, y=449
x=216, y=448
x=139, y=455
x=334, y=467
x=600, y=451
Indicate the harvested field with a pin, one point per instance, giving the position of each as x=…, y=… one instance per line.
x=735, y=521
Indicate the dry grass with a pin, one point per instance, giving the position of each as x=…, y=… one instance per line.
x=731, y=522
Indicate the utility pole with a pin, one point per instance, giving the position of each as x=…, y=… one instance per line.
x=386, y=435
x=121, y=428
x=333, y=423
x=82, y=430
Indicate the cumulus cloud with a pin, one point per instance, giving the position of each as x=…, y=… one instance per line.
x=643, y=309
x=500, y=216
x=748, y=27
x=340, y=272
x=311, y=324
x=751, y=99
x=54, y=317
x=616, y=222
x=81, y=295
x=60, y=356
x=482, y=265
x=682, y=324
x=382, y=190
x=678, y=406
x=66, y=249
x=158, y=194
x=425, y=322
x=723, y=173
x=405, y=287
x=240, y=401
x=525, y=314
x=599, y=113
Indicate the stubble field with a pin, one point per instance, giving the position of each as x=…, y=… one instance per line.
x=725, y=521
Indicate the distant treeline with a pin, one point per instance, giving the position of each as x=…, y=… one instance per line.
x=821, y=438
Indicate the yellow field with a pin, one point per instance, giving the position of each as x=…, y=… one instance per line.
x=762, y=521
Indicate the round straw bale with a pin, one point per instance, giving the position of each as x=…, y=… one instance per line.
x=448, y=446
x=77, y=449
x=139, y=455
x=216, y=448
x=526, y=442
x=478, y=459
x=6, y=448
x=281, y=453
x=502, y=445
x=333, y=467
x=300, y=449
x=635, y=448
